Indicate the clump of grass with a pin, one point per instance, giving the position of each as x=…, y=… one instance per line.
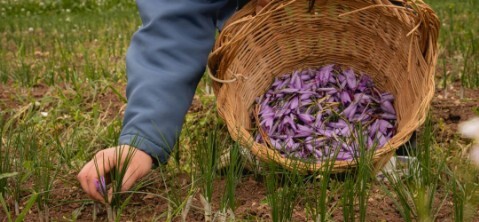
x=415, y=187
x=206, y=156
x=458, y=41
x=233, y=175
x=365, y=173
x=44, y=173
x=283, y=187
x=321, y=192
x=464, y=188
x=178, y=205
x=113, y=199
x=21, y=216
x=22, y=162
x=357, y=182
x=5, y=164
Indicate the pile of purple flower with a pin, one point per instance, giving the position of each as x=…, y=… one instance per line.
x=326, y=112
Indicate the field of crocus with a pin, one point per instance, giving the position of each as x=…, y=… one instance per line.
x=62, y=98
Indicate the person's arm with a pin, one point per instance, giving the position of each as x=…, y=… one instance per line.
x=165, y=62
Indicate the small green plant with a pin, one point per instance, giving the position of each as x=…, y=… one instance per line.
x=414, y=187
x=44, y=173
x=233, y=174
x=21, y=216
x=348, y=198
x=364, y=171
x=5, y=164
x=112, y=196
x=321, y=190
x=464, y=189
x=283, y=187
x=206, y=156
x=357, y=181
x=178, y=205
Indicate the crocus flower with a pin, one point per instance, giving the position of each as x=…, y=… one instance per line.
x=387, y=106
x=350, y=78
x=100, y=185
x=324, y=74
x=306, y=118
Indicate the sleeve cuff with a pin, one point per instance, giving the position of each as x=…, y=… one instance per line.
x=159, y=154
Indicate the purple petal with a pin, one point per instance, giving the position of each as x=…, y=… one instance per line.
x=387, y=96
x=388, y=116
x=350, y=78
x=305, y=129
x=268, y=122
x=101, y=185
x=294, y=103
x=345, y=98
x=388, y=107
x=384, y=125
x=325, y=74
x=350, y=111
x=345, y=131
x=309, y=147
x=306, y=118
x=328, y=133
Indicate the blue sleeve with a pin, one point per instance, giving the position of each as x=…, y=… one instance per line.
x=165, y=61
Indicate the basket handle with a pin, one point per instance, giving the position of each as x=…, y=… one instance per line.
x=247, y=23
x=236, y=77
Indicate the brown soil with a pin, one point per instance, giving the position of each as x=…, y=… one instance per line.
x=448, y=109
x=67, y=198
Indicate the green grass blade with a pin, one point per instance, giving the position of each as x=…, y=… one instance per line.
x=27, y=208
x=5, y=208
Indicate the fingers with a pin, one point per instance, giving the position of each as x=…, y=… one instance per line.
x=140, y=166
x=87, y=178
x=131, y=176
x=103, y=163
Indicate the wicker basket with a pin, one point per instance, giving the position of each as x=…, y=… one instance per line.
x=395, y=45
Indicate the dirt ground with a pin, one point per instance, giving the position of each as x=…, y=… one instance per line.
x=448, y=109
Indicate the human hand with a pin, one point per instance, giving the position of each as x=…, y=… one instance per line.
x=261, y=4
x=139, y=165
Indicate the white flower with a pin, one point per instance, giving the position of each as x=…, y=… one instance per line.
x=470, y=128
x=474, y=155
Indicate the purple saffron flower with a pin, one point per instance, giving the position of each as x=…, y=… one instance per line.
x=100, y=186
x=324, y=74
x=345, y=98
x=294, y=103
x=384, y=126
x=350, y=78
x=388, y=116
x=387, y=106
x=387, y=96
x=306, y=118
x=350, y=110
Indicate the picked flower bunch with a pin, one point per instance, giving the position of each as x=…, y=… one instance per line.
x=323, y=113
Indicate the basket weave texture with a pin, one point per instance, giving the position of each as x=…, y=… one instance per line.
x=395, y=45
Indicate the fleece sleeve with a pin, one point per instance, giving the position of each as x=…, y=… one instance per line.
x=165, y=61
